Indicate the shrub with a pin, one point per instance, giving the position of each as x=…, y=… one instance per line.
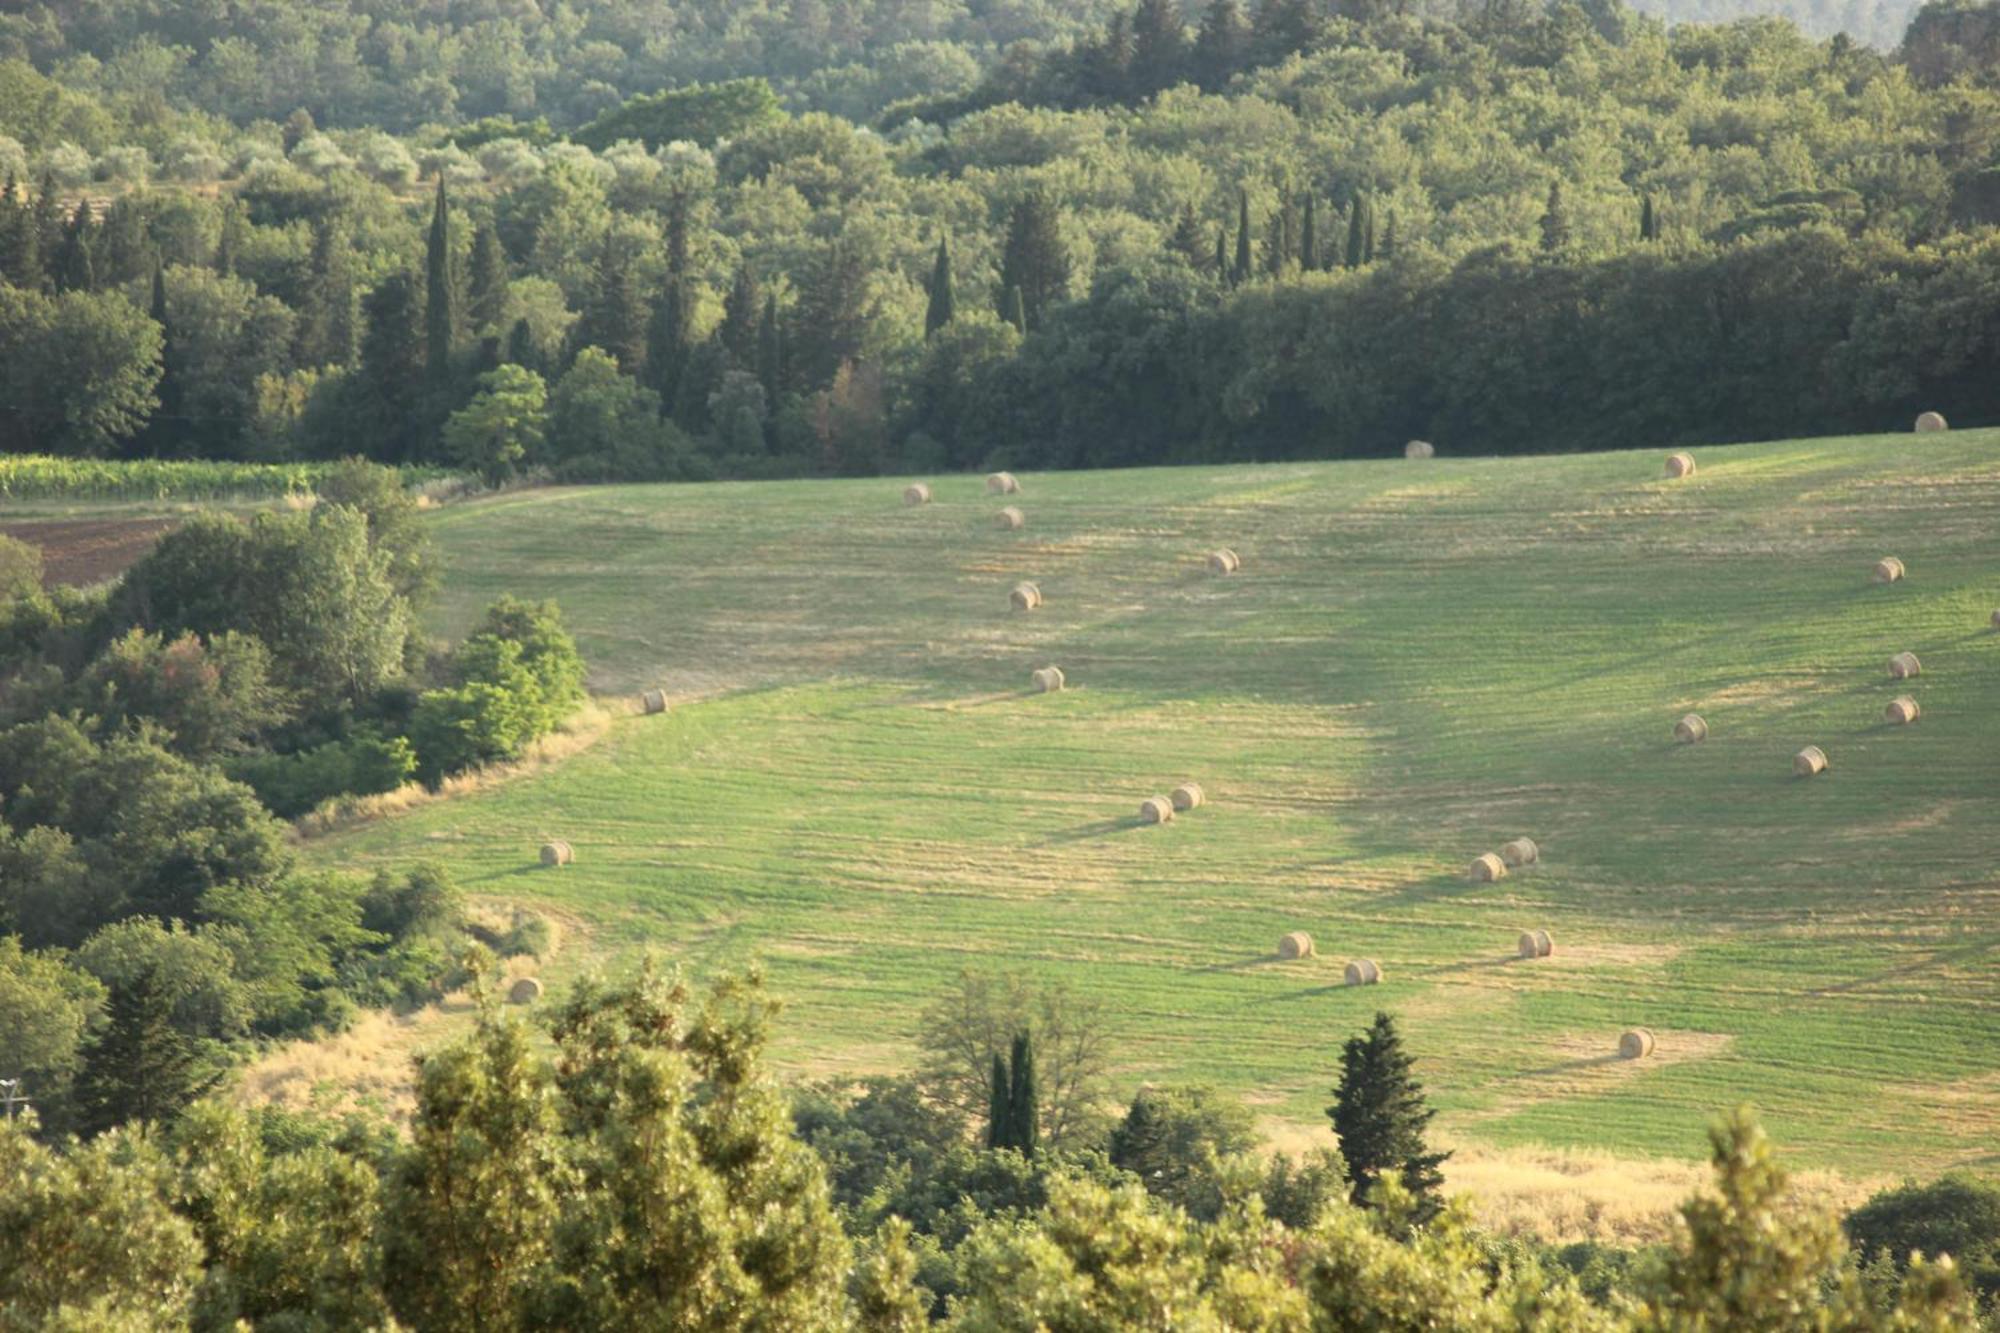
x=295, y=784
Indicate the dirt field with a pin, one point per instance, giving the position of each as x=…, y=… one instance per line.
x=85, y=551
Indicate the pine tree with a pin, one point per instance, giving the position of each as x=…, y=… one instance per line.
x=1035, y=258
x=329, y=327
x=667, y=341
x=1159, y=46
x=617, y=318
x=1187, y=241
x=1109, y=63
x=832, y=315
x=1357, y=232
x=1239, y=272
x=139, y=1066
x=741, y=310
x=1388, y=248
x=1368, y=232
x=1222, y=254
x=771, y=350
x=1000, y=1106
x=1555, y=221
x=1024, y=1114
x=440, y=291
x=1379, y=1115
x=1014, y=310
x=70, y=268
x=391, y=363
x=47, y=224
x=488, y=285
x=1278, y=244
x=165, y=429
x=943, y=308
x=1219, y=48
x=122, y=252
x=1309, y=237
x=1649, y=221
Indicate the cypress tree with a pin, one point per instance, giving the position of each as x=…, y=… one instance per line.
x=1035, y=258
x=1380, y=1115
x=163, y=431
x=1649, y=222
x=1388, y=249
x=771, y=350
x=1159, y=46
x=440, y=291
x=20, y=256
x=391, y=363
x=1309, y=237
x=1014, y=310
x=488, y=282
x=1356, y=232
x=617, y=318
x=999, y=1107
x=230, y=241
x=1278, y=246
x=1368, y=231
x=71, y=268
x=943, y=308
x=1219, y=46
x=139, y=1066
x=741, y=310
x=1024, y=1116
x=122, y=251
x=1239, y=272
x=521, y=349
x=1186, y=240
x=1555, y=221
x=667, y=340
x=1222, y=254
x=47, y=223
x=329, y=330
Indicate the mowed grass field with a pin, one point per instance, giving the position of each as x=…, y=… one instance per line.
x=1417, y=662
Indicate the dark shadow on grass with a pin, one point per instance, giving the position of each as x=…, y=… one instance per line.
x=1242, y=964
x=1311, y=993
x=1573, y=1066
x=1082, y=832
x=1477, y=965
x=1943, y=958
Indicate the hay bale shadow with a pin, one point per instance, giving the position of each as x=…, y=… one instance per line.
x=1575, y=1066
x=1244, y=964
x=1082, y=832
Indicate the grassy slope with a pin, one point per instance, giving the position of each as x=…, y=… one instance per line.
x=1417, y=662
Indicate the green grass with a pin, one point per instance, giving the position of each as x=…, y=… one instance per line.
x=1417, y=662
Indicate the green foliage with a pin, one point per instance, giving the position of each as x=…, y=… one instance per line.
x=980, y=1015
x=1956, y=1215
x=1176, y=1139
x=39, y=477
x=204, y=697
x=77, y=371
x=502, y=427
x=1380, y=1117
x=140, y=1066
x=700, y=114
x=514, y=680
x=361, y=764
x=45, y=1011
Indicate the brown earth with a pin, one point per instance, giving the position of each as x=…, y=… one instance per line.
x=86, y=551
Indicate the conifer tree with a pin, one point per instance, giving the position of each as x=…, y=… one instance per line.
x=1278, y=245
x=1219, y=46
x=329, y=332
x=617, y=318
x=1388, y=246
x=1239, y=272
x=521, y=349
x=1222, y=254
x=488, y=285
x=1159, y=46
x=1024, y=1115
x=667, y=341
x=741, y=310
x=1555, y=221
x=1035, y=258
x=20, y=252
x=47, y=223
x=1000, y=1107
x=1368, y=232
x=71, y=268
x=139, y=1066
x=1357, y=232
x=1309, y=237
x=440, y=291
x=229, y=242
x=1380, y=1115
x=1649, y=221
x=165, y=428
x=1187, y=240
x=1014, y=310
x=943, y=308
x=391, y=362
x=771, y=350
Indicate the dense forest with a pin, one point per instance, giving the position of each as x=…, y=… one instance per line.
x=1285, y=232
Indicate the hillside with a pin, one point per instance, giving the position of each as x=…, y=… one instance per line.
x=1416, y=663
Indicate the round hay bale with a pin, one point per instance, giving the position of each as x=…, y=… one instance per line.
x=1809, y=762
x=1680, y=465
x=1545, y=944
x=1156, y=810
x=557, y=853
x=1363, y=972
x=1025, y=597
x=1636, y=1044
x=1902, y=711
x=917, y=494
x=1691, y=730
x=524, y=991
x=1298, y=944
x=1002, y=483
x=1048, y=680
x=1224, y=561
x=1009, y=519
x=1521, y=852
x=1996, y=620
x=1930, y=421
x=1419, y=449
x=1188, y=795
x=1888, y=570
x=654, y=701
x=1487, y=869
x=1527, y=945
x=1904, y=665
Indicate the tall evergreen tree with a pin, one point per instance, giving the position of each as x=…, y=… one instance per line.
x=122, y=252
x=1024, y=1113
x=1014, y=310
x=1220, y=48
x=1309, y=237
x=617, y=319
x=166, y=428
x=522, y=350
x=20, y=248
x=1380, y=1115
x=1108, y=64
x=832, y=315
x=1283, y=27
x=229, y=241
x=1187, y=240
x=1388, y=247
x=389, y=379
x=943, y=307
x=1159, y=46
x=1222, y=254
x=1035, y=259
x=668, y=340
x=71, y=268
x=771, y=350
x=139, y=1066
x=1278, y=244
x=1357, y=232
x=47, y=222
x=1000, y=1107
x=1368, y=231
x=1649, y=221
x=1555, y=221
x=441, y=296
x=488, y=283
x=329, y=324
x=1239, y=272
x=741, y=310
